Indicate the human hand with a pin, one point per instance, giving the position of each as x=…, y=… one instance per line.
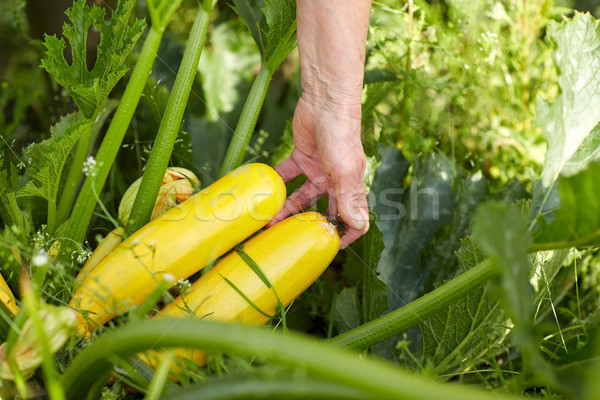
x=328, y=151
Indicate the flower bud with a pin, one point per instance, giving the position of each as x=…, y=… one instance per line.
x=175, y=189
x=59, y=325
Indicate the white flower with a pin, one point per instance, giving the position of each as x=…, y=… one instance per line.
x=90, y=167
x=40, y=259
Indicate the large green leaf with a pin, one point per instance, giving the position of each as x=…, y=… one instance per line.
x=461, y=336
x=88, y=88
x=576, y=222
x=501, y=230
x=573, y=133
x=367, y=299
x=422, y=224
x=409, y=217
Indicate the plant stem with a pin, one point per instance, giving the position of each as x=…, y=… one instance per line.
x=247, y=122
x=86, y=201
x=55, y=390
x=51, y=221
x=160, y=376
x=415, y=312
x=70, y=190
x=171, y=121
x=330, y=364
x=265, y=386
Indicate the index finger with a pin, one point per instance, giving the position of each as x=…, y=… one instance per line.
x=288, y=169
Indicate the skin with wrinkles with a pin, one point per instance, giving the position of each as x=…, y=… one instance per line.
x=327, y=140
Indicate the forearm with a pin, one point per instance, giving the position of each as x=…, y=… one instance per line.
x=331, y=44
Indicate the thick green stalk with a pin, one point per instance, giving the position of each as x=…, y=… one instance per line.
x=402, y=319
x=169, y=126
x=245, y=127
x=51, y=220
x=266, y=386
x=379, y=379
x=86, y=201
x=74, y=176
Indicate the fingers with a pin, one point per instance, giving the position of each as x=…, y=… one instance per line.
x=350, y=193
x=350, y=235
x=288, y=169
x=354, y=212
x=301, y=199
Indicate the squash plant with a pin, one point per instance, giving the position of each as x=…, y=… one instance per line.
x=489, y=267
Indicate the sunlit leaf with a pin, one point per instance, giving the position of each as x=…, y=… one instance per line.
x=89, y=88
x=571, y=127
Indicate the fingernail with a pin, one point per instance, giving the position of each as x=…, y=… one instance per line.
x=360, y=222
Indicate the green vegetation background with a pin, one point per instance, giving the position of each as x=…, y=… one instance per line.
x=449, y=103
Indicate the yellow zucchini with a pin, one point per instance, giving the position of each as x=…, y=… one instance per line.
x=179, y=242
x=175, y=189
x=7, y=298
x=109, y=243
x=292, y=254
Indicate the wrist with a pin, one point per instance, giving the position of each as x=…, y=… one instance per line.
x=323, y=86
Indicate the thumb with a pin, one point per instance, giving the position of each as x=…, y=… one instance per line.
x=350, y=194
x=353, y=210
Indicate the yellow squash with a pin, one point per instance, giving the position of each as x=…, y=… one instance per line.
x=292, y=254
x=178, y=243
x=175, y=189
x=7, y=298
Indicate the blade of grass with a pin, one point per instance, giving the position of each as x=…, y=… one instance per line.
x=159, y=380
x=239, y=291
x=280, y=308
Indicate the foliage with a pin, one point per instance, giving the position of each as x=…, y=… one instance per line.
x=481, y=265
x=89, y=89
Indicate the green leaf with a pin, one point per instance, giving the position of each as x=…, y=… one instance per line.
x=89, y=89
x=10, y=212
x=573, y=132
x=273, y=27
x=347, y=310
x=45, y=173
x=576, y=221
x=281, y=32
x=367, y=298
x=409, y=217
x=374, y=299
x=456, y=339
x=251, y=13
x=501, y=231
x=422, y=225
x=232, y=58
